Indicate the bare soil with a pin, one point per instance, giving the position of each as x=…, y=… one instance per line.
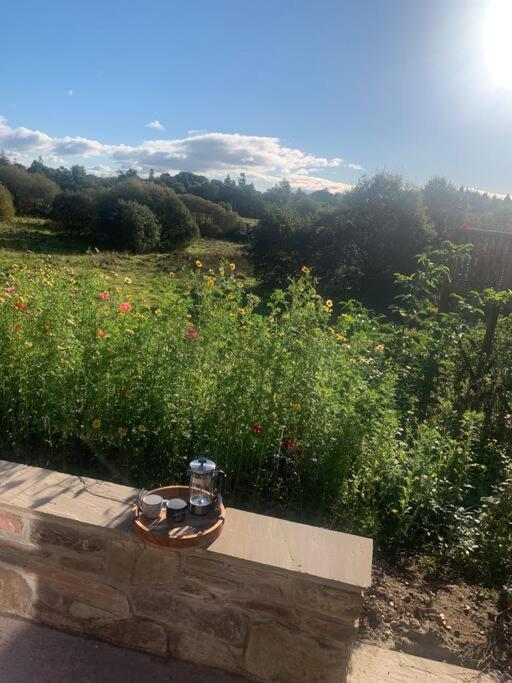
x=414, y=609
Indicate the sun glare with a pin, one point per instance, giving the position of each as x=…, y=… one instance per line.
x=498, y=41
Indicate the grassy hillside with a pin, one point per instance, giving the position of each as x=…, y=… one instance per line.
x=33, y=241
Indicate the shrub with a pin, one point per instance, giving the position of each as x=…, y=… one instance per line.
x=7, y=212
x=32, y=193
x=137, y=226
x=178, y=228
x=75, y=212
x=213, y=219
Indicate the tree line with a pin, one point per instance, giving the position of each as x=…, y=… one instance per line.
x=355, y=241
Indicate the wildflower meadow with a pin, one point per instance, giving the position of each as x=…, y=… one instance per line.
x=302, y=405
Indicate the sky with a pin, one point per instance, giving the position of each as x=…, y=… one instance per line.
x=317, y=92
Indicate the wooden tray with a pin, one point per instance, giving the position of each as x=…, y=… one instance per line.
x=195, y=532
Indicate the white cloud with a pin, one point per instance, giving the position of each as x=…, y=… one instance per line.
x=355, y=167
x=262, y=158
x=155, y=124
x=71, y=92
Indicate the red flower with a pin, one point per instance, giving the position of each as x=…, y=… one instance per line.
x=20, y=306
x=17, y=327
x=256, y=428
x=103, y=296
x=465, y=226
x=192, y=333
x=290, y=444
x=125, y=307
x=10, y=290
x=101, y=333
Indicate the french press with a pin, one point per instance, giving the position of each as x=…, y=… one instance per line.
x=203, y=495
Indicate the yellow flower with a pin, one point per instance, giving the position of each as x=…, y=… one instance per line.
x=221, y=270
x=114, y=274
x=129, y=297
x=330, y=330
x=122, y=431
x=129, y=331
x=274, y=415
x=379, y=347
x=141, y=429
x=210, y=282
x=296, y=406
x=129, y=393
x=199, y=263
x=241, y=311
x=158, y=312
x=96, y=424
x=128, y=281
x=306, y=270
x=230, y=296
x=341, y=338
x=232, y=266
x=172, y=274
x=328, y=303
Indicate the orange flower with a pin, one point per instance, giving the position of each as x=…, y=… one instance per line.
x=122, y=431
x=101, y=333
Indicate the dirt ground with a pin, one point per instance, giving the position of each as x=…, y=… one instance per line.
x=415, y=610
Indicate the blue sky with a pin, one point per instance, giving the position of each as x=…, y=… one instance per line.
x=313, y=91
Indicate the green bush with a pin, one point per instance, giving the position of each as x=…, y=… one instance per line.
x=7, y=212
x=137, y=226
x=178, y=228
x=32, y=193
x=75, y=212
x=213, y=219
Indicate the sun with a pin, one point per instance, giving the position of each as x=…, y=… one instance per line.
x=498, y=41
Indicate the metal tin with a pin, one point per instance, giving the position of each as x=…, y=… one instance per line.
x=176, y=509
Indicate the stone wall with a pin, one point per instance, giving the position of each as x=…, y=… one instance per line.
x=265, y=622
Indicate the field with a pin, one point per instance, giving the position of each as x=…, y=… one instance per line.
x=34, y=241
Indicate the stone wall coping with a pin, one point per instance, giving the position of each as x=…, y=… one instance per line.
x=329, y=556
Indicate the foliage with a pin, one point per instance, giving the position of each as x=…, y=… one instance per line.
x=137, y=226
x=7, y=212
x=312, y=413
x=213, y=219
x=177, y=226
x=74, y=212
x=376, y=231
x=33, y=194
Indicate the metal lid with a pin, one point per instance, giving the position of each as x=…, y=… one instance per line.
x=202, y=466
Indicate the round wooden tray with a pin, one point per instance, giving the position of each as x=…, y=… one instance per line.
x=195, y=532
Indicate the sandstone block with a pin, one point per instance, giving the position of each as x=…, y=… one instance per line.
x=80, y=610
x=282, y=655
x=189, y=614
x=10, y=523
x=80, y=588
x=156, y=567
x=122, y=556
x=72, y=538
x=15, y=592
x=209, y=651
x=327, y=600
x=326, y=629
x=83, y=564
x=137, y=634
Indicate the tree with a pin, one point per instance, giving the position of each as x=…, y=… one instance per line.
x=178, y=227
x=7, y=212
x=214, y=220
x=136, y=226
x=33, y=193
x=75, y=212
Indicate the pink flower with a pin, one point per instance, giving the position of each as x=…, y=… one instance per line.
x=125, y=307
x=192, y=333
x=256, y=428
x=103, y=296
x=101, y=333
x=465, y=226
x=10, y=290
